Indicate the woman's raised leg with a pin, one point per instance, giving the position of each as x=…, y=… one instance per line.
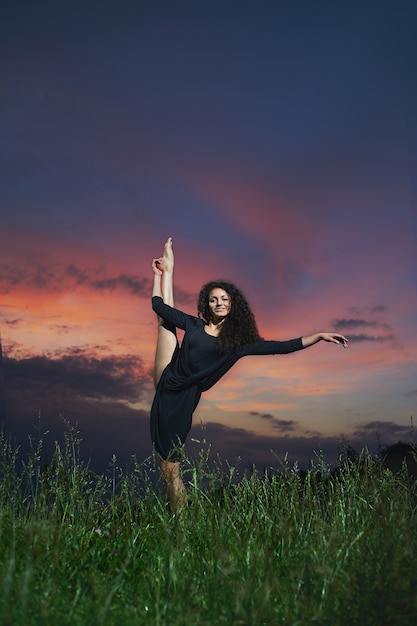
x=163, y=286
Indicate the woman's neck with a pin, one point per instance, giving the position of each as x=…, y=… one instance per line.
x=213, y=327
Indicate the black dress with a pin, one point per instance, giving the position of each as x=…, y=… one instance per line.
x=195, y=367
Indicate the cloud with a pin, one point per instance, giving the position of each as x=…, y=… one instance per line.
x=363, y=337
x=61, y=279
x=347, y=324
x=77, y=373
x=279, y=424
x=61, y=329
x=384, y=432
x=13, y=323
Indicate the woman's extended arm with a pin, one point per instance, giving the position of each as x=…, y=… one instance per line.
x=332, y=337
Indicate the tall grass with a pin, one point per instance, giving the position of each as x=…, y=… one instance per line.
x=279, y=548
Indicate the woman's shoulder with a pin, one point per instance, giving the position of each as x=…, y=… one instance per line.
x=197, y=321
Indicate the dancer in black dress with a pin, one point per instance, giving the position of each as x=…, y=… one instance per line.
x=224, y=331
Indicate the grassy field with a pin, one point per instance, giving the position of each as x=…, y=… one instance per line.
x=281, y=548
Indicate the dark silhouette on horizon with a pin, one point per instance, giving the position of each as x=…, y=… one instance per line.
x=400, y=457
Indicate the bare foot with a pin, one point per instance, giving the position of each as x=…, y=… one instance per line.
x=166, y=262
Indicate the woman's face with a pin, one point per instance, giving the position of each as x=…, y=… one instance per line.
x=219, y=304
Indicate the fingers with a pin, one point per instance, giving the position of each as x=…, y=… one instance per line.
x=342, y=340
x=155, y=266
x=336, y=338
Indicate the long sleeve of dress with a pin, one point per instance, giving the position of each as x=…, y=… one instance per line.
x=271, y=347
x=174, y=316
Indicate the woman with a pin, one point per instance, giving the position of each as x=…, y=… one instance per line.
x=224, y=331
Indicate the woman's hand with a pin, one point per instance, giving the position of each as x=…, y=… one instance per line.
x=335, y=338
x=330, y=337
x=156, y=264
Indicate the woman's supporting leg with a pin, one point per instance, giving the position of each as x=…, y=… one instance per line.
x=176, y=491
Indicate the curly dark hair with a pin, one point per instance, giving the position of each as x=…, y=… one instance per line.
x=239, y=327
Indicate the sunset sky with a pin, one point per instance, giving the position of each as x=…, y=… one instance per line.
x=276, y=142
